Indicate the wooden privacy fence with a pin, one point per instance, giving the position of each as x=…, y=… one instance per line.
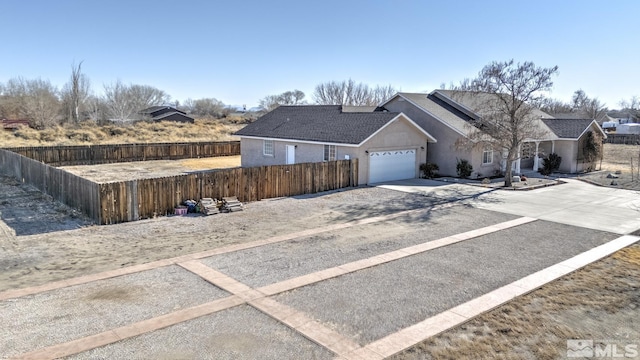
x=63, y=186
x=104, y=154
x=628, y=139
x=139, y=199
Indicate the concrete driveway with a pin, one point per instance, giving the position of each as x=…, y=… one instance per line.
x=573, y=203
x=359, y=289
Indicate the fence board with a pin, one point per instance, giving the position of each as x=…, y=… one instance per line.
x=146, y=198
x=65, y=187
x=110, y=203
x=105, y=154
x=628, y=139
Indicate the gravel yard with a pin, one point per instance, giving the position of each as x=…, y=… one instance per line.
x=269, y=264
x=429, y=283
x=68, y=313
x=41, y=254
x=364, y=305
x=238, y=333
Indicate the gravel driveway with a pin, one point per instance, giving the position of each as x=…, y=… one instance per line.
x=346, y=286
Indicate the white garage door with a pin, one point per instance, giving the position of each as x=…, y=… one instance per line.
x=392, y=165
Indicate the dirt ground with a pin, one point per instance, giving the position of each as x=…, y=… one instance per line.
x=45, y=241
x=599, y=302
x=616, y=167
x=150, y=169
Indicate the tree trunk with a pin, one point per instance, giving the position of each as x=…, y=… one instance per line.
x=508, y=172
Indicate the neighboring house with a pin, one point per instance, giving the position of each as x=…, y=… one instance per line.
x=11, y=125
x=448, y=116
x=388, y=145
x=166, y=113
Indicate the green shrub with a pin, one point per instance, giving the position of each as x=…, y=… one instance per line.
x=463, y=168
x=550, y=164
x=429, y=170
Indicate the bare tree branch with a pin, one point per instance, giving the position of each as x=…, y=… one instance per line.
x=351, y=93
x=504, y=94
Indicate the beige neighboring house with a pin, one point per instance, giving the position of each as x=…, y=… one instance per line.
x=388, y=145
x=448, y=115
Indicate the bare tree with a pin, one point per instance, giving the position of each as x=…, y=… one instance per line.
x=9, y=107
x=270, y=102
x=464, y=85
x=350, y=93
x=75, y=93
x=124, y=102
x=591, y=108
x=96, y=109
x=36, y=100
x=205, y=107
x=144, y=96
x=507, y=117
x=380, y=94
x=554, y=106
x=118, y=104
x=631, y=107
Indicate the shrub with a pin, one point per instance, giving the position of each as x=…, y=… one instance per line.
x=592, y=149
x=550, y=164
x=463, y=168
x=429, y=170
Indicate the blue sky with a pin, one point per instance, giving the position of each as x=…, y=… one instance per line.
x=240, y=51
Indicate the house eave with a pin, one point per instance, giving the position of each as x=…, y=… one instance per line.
x=299, y=141
x=429, y=136
x=427, y=112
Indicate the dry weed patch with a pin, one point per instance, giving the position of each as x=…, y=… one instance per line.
x=140, y=132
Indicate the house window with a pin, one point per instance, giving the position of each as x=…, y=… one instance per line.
x=267, y=147
x=487, y=156
x=329, y=152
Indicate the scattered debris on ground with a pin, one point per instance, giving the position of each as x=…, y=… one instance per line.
x=231, y=204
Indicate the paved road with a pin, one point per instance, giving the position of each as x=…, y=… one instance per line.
x=360, y=289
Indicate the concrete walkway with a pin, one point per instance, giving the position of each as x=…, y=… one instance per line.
x=187, y=307
x=573, y=203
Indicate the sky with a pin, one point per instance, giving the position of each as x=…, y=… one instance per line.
x=241, y=51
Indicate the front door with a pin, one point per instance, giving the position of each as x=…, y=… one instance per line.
x=291, y=154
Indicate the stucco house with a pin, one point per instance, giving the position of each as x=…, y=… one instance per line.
x=448, y=115
x=566, y=138
x=388, y=145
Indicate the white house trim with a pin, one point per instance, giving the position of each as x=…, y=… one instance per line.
x=392, y=121
x=589, y=127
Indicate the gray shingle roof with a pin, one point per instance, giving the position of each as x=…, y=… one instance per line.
x=321, y=123
x=472, y=104
x=568, y=128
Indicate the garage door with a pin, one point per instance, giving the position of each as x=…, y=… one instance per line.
x=392, y=165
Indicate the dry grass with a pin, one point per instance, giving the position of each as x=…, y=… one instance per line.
x=141, y=132
x=595, y=302
x=618, y=156
x=221, y=162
